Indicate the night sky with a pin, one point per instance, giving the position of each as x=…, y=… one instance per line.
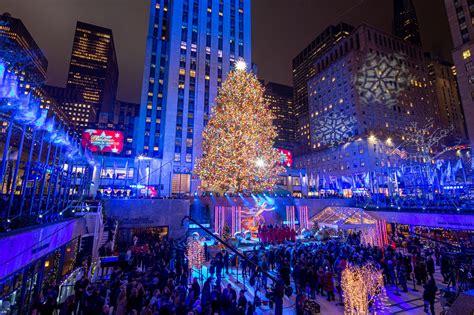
x=280, y=30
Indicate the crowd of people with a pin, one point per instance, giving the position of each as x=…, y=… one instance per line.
x=315, y=268
x=276, y=234
x=157, y=280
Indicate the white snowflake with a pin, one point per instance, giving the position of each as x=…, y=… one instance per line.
x=381, y=79
x=334, y=128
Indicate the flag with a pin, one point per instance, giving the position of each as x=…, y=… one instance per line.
x=347, y=180
x=457, y=167
x=449, y=172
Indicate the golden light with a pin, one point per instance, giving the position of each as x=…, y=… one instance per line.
x=372, y=138
x=46, y=263
x=240, y=65
x=362, y=286
x=260, y=162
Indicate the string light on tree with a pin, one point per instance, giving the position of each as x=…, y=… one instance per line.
x=362, y=287
x=195, y=252
x=238, y=154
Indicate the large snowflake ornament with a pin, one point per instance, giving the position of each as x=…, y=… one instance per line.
x=334, y=128
x=381, y=79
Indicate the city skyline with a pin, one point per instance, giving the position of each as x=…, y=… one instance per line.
x=268, y=35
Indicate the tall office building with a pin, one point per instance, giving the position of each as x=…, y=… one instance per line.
x=191, y=46
x=93, y=70
x=280, y=100
x=303, y=71
x=123, y=118
x=449, y=109
x=405, y=23
x=72, y=103
x=366, y=91
x=19, y=48
x=460, y=16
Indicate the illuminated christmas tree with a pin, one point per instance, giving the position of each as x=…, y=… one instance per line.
x=238, y=153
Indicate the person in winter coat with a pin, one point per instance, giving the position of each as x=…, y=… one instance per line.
x=429, y=295
x=320, y=288
x=430, y=266
x=329, y=284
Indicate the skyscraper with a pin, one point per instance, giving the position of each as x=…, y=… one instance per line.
x=93, y=70
x=449, y=109
x=191, y=45
x=19, y=47
x=72, y=104
x=280, y=100
x=303, y=71
x=460, y=14
x=405, y=23
x=365, y=93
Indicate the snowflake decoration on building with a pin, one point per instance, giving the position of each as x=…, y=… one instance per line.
x=334, y=128
x=381, y=79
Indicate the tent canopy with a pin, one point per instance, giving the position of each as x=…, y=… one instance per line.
x=344, y=218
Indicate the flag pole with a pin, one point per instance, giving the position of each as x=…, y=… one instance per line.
x=26, y=175
x=15, y=173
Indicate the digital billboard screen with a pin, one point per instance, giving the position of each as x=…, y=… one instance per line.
x=102, y=141
x=286, y=159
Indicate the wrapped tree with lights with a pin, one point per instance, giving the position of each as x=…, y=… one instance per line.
x=195, y=252
x=362, y=288
x=238, y=154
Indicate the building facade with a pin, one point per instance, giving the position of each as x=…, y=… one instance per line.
x=93, y=71
x=365, y=93
x=303, y=71
x=72, y=103
x=123, y=118
x=460, y=14
x=191, y=46
x=443, y=82
x=405, y=22
x=19, y=47
x=280, y=100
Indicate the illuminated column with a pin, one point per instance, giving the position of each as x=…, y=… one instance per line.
x=290, y=216
x=239, y=218
x=303, y=212
x=219, y=214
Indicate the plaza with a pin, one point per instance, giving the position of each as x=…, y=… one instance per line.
x=193, y=161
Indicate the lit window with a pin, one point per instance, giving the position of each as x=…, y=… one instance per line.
x=466, y=54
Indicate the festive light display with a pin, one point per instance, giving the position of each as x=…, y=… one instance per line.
x=362, y=287
x=334, y=129
x=102, y=141
x=382, y=78
x=252, y=218
x=194, y=252
x=238, y=153
x=286, y=158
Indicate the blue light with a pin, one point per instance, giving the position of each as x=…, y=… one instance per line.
x=210, y=194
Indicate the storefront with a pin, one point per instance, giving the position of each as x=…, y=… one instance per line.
x=18, y=289
x=455, y=229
